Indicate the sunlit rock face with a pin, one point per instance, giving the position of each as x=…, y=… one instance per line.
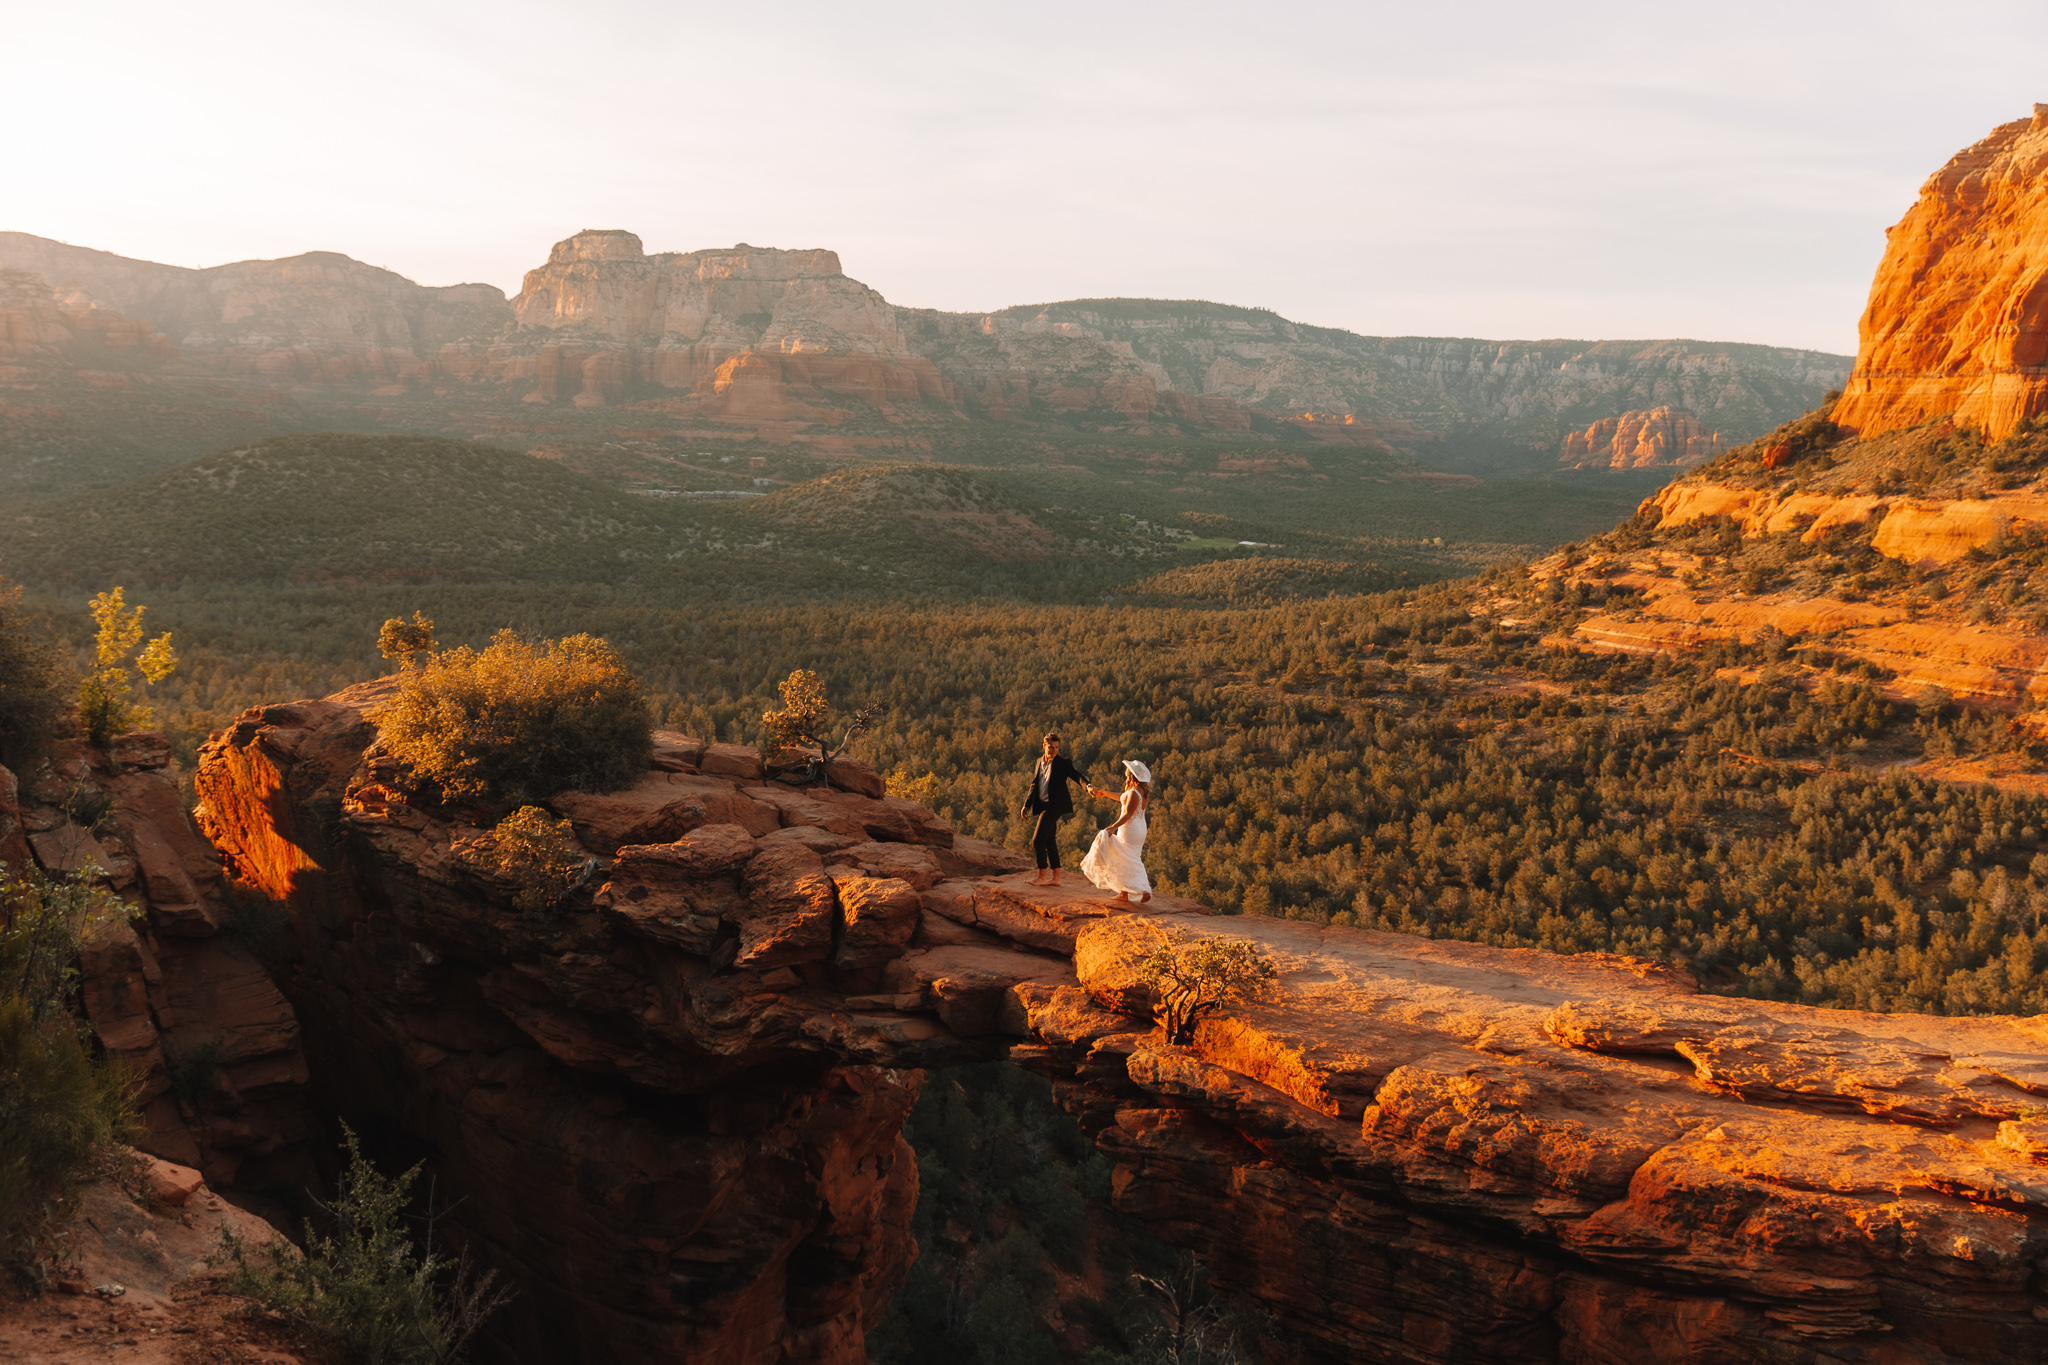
x=1421, y=1151
x=1958, y=314
x=752, y=329
x=1661, y=438
x=172, y=993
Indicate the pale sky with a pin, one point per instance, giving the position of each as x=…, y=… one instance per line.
x=1720, y=171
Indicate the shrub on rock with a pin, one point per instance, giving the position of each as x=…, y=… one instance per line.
x=541, y=857
x=1194, y=977
x=58, y=1101
x=521, y=719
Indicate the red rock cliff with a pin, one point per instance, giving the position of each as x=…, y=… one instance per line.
x=672, y=1117
x=1958, y=314
x=672, y=1114
x=752, y=330
x=1662, y=438
x=189, y=1009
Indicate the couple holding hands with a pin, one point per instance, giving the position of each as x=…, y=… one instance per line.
x=1114, y=862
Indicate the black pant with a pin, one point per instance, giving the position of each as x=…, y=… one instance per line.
x=1045, y=840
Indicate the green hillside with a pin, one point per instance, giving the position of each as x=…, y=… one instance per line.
x=916, y=512
x=336, y=507
x=1265, y=581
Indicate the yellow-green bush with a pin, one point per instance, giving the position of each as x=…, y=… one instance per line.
x=104, y=708
x=540, y=854
x=521, y=719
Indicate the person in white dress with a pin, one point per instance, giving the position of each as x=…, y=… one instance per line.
x=1115, y=861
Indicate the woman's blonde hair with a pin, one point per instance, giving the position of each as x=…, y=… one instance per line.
x=1131, y=780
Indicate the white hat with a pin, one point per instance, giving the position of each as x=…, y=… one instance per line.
x=1138, y=770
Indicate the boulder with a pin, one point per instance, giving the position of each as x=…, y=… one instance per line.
x=706, y=851
x=672, y=751
x=659, y=808
x=857, y=778
x=968, y=856
x=731, y=760
x=166, y=1182
x=911, y=863
x=879, y=914
x=789, y=911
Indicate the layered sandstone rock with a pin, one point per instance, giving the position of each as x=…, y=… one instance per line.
x=38, y=326
x=754, y=329
x=670, y=1111
x=1998, y=661
x=1957, y=321
x=1662, y=438
x=1927, y=532
x=147, y=1231
x=1269, y=369
x=192, y=1014
x=1438, y=1151
x=785, y=341
x=2001, y=663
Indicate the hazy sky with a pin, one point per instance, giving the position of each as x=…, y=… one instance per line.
x=1719, y=171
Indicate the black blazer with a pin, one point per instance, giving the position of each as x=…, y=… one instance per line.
x=1057, y=801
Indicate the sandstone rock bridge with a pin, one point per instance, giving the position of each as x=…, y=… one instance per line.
x=673, y=1117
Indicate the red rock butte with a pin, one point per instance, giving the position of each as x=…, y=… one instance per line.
x=1663, y=437
x=1958, y=316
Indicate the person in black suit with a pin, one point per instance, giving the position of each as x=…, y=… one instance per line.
x=1047, y=799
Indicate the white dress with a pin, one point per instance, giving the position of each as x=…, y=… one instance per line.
x=1114, y=859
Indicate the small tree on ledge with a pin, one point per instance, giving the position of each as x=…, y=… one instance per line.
x=104, y=708
x=805, y=719
x=1193, y=977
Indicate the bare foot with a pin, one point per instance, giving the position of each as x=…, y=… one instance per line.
x=1124, y=896
x=1146, y=897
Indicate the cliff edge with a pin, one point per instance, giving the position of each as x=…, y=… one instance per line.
x=672, y=1113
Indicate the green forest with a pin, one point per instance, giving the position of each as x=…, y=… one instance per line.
x=1328, y=744
x=1390, y=761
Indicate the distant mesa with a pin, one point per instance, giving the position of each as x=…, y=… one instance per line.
x=783, y=344
x=1957, y=321
x=1662, y=438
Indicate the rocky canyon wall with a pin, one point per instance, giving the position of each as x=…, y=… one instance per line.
x=1957, y=321
x=785, y=341
x=671, y=1112
x=1662, y=438
x=671, y=1116
x=172, y=993
x=1531, y=391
